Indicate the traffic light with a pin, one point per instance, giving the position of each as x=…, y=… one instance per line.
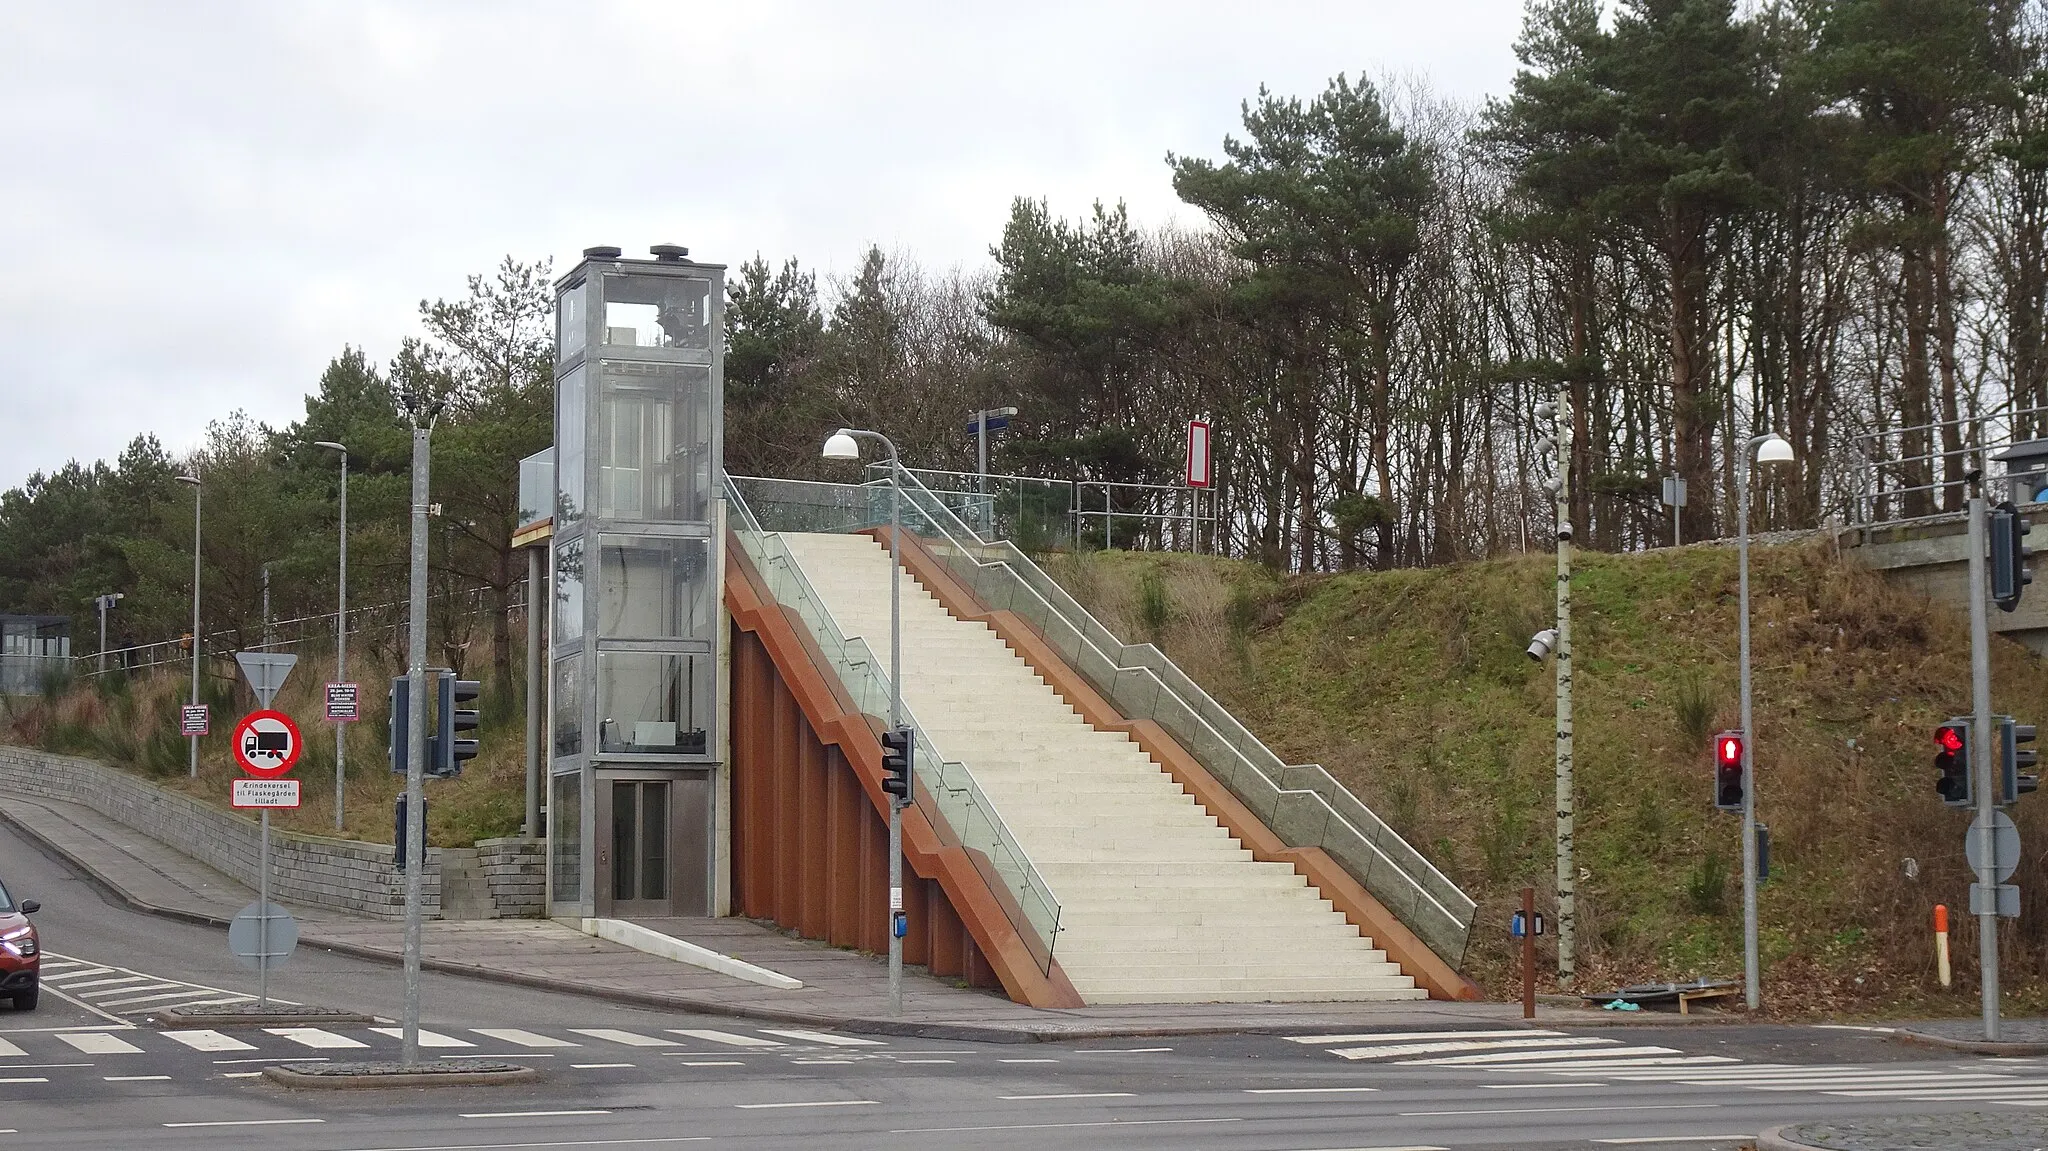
x=898, y=751
x=400, y=715
x=1953, y=762
x=2009, y=574
x=446, y=756
x=1728, y=771
x=2012, y=781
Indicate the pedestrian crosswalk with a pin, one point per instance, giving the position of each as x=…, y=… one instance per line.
x=1618, y=1061
x=288, y=1043
x=123, y=993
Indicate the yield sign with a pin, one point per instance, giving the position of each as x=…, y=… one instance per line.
x=267, y=743
x=265, y=672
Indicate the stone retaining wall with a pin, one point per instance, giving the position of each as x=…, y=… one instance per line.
x=308, y=870
x=517, y=871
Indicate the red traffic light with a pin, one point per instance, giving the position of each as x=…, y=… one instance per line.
x=1949, y=737
x=1728, y=748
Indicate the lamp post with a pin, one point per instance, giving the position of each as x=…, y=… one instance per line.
x=1769, y=448
x=105, y=603
x=340, y=626
x=841, y=445
x=192, y=767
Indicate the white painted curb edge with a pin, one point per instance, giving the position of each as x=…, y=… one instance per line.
x=668, y=947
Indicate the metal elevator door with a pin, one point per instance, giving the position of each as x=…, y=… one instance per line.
x=653, y=858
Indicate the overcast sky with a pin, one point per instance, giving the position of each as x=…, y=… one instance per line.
x=201, y=203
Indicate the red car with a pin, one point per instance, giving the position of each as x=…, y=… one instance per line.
x=21, y=957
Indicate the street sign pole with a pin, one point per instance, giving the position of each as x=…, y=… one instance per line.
x=416, y=746
x=266, y=672
x=1980, y=745
x=263, y=925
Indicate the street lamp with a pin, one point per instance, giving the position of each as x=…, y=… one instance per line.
x=340, y=623
x=105, y=603
x=842, y=445
x=197, y=492
x=1769, y=448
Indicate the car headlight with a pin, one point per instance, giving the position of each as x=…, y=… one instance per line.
x=19, y=948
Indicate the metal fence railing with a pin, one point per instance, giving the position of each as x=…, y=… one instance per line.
x=763, y=509
x=1302, y=803
x=1040, y=515
x=1896, y=484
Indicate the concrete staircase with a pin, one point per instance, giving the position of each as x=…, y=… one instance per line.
x=465, y=892
x=1158, y=903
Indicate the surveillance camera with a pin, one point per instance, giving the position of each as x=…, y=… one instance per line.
x=1540, y=645
x=1564, y=531
x=1546, y=411
x=1553, y=485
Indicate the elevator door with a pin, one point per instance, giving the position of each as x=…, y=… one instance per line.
x=642, y=878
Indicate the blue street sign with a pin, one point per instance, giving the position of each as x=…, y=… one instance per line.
x=1517, y=930
x=995, y=424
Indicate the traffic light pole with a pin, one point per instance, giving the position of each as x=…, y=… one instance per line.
x=1752, y=962
x=415, y=745
x=1982, y=765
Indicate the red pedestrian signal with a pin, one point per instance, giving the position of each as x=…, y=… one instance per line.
x=1728, y=789
x=1953, y=762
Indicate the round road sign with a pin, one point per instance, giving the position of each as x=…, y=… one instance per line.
x=267, y=743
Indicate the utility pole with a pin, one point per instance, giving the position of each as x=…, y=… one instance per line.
x=1980, y=745
x=416, y=740
x=1567, y=868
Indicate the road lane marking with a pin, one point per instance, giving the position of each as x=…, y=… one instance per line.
x=1570, y=1110
x=136, y=1078
x=273, y=1059
x=1123, y=1050
x=25, y=1079
x=1305, y=1090
x=1641, y=1139
x=162, y=999
x=596, y=1066
x=427, y=1038
x=315, y=1038
x=613, y=1035
x=725, y=1037
x=1537, y=1086
x=101, y=1043
x=926, y=1061
x=522, y=1038
x=1418, y=1036
x=1027, y=1061
x=103, y=995
x=530, y=1114
x=81, y=985
x=729, y=1062
x=1531, y=1056
x=1069, y=1095
x=203, y=1040
x=1053, y=1126
x=812, y=1103
x=245, y=1123
x=823, y=1037
x=1383, y=1051
x=241, y=1074
x=7, y=1048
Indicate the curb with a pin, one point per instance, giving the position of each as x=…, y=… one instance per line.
x=1775, y=1140
x=1972, y=1046
x=435, y=1077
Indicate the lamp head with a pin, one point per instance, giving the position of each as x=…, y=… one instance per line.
x=331, y=446
x=841, y=446
x=193, y=480
x=1774, y=450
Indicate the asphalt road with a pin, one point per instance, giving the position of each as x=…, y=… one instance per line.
x=72, y=1076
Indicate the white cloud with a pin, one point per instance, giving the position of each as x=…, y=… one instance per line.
x=202, y=203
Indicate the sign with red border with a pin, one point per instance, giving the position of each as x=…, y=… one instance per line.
x=1201, y=467
x=267, y=743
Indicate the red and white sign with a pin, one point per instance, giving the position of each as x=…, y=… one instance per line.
x=265, y=793
x=267, y=743
x=192, y=719
x=1201, y=468
x=342, y=703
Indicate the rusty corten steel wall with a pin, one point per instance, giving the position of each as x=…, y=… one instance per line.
x=810, y=850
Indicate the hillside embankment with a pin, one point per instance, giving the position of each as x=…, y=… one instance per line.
x=1413, y=688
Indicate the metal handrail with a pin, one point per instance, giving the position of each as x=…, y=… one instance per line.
x=957, y=800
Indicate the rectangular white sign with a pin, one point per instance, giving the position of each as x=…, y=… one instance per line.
x=266, y=793
x=1200, y=468
x=192, y=719
x=342, y=702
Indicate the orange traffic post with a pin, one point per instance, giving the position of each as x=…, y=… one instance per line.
x=1941, y=967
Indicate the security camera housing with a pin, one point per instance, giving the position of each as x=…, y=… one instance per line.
x=1541, y=643
x=1564, y=530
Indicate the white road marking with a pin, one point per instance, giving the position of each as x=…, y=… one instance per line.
x=823, y=1037
x=208, y=1041
x=528, y=1114
x=1536, y=1086
x=1531, y=1056
x=613, y=1035
x=813, y=1103
x=109, y=992
x=88, y=973
x=1566, y=1110
x=1069, y=1095
x=427, y=1038
x=101, y=1043
x=926, y=1061
x=25, y=1079
x=1468, y=1045
x=272, y=1059
x=162, y=998
x=1305, y=1090
x=1027, y=1061
x=1123, y=1050
x=1640, y=1139
x=1418, y=1036
x=7, y=1048
x=715, y=1063
x=315, y=1038
x=596, y=1066
x=241, y=1074
x=725, y=1037
x=1057, y=1126
x=522, y=1038
x=246, y=1123
x=136, y=1078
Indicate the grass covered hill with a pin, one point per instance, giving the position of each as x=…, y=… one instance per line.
x=1413, y=688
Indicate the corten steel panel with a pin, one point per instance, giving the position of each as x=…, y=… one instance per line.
x=810, y=825
x=689, y=813
x=1358, y=906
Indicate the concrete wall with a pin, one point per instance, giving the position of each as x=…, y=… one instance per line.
x=1932, y=557
x=307, y=870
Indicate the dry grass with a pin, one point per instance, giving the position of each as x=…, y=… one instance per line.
x=1412, y=687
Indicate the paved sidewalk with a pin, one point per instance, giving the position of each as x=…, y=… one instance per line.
x=842, y=989
x=1966, y=1132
